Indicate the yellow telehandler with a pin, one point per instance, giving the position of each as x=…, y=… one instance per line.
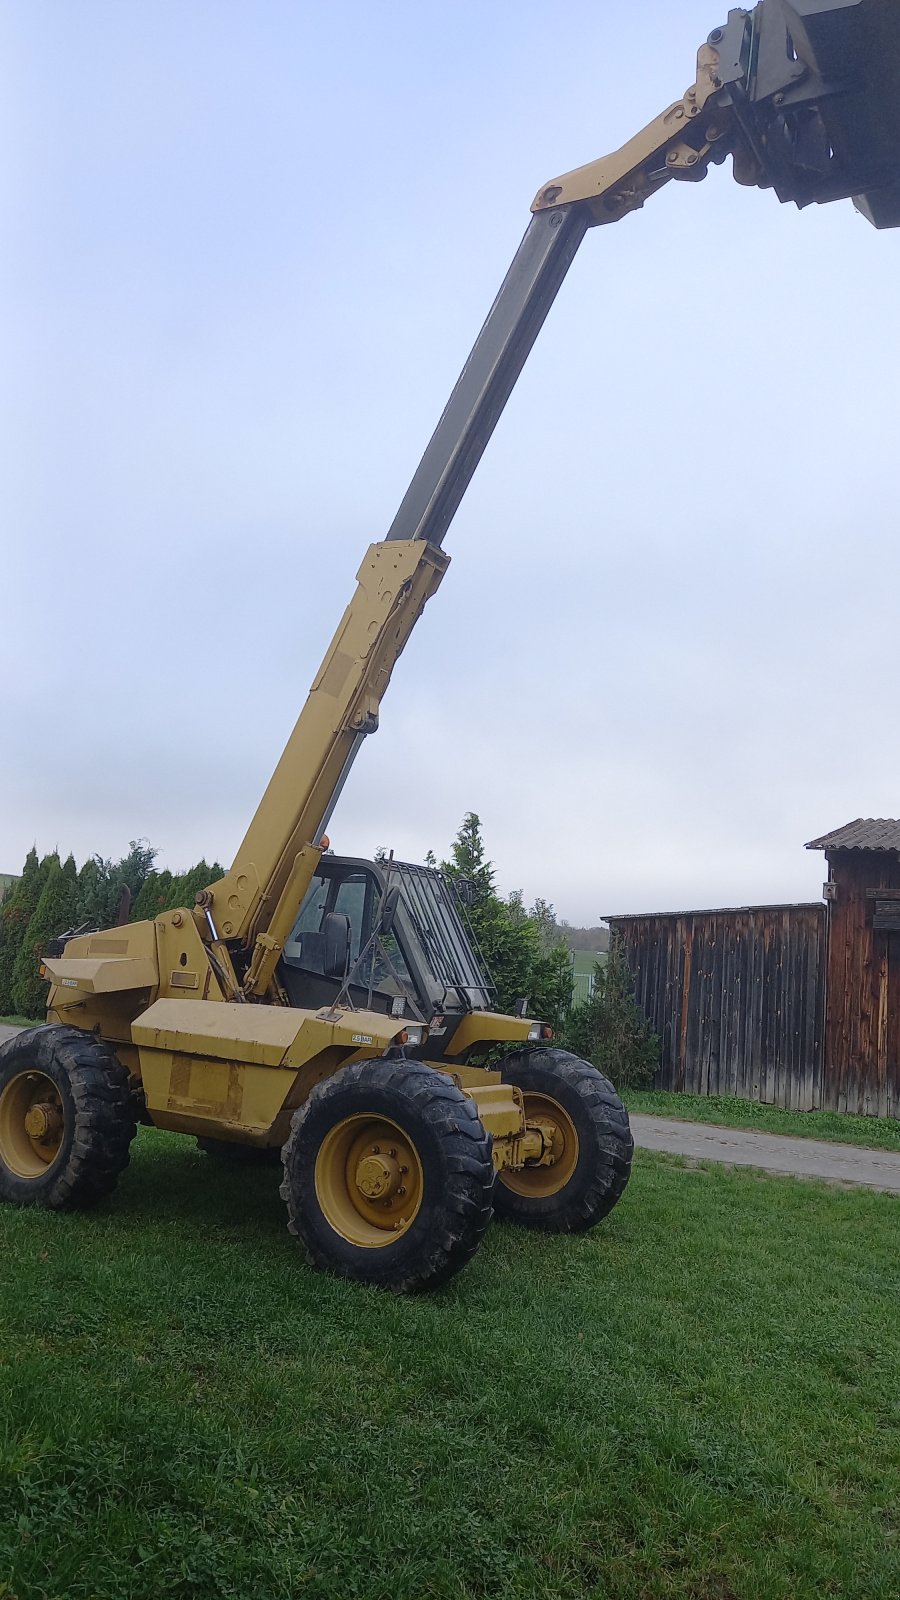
x=334, y=1009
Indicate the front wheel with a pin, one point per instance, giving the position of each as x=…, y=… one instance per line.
x=587, y=1139
x=66, y=1118
x=388, y=1175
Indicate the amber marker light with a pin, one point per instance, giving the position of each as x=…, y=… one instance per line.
x=414, y=1035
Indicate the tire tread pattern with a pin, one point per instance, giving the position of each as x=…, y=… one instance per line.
x=97, y=1093
x=459, y=1216
x=602, y=1175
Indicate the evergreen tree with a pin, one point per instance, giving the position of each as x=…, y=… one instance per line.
x=52, y=915
x=100, y=884
x=184, y=886
x=15, y=915
x=134, y=869
x=152, y=897
x=523, y=961
x=469, y=863
x=610, y=1030
x=90, y=893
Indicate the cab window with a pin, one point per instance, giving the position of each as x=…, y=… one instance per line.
x=351, y=900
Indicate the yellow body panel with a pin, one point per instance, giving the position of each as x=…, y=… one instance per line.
x=238, y=1071
x=258, y=1035
x=103, y=974
x=486, y=1028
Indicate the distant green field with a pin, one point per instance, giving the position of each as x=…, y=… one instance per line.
x=697, y=1401
x=583, y=964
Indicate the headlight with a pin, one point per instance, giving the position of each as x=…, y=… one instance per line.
x=412, y=1035
x=534, y=1032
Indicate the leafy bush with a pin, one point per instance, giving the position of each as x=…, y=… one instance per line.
x=610, y=1030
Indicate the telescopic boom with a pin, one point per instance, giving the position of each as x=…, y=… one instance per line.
x=804, y=95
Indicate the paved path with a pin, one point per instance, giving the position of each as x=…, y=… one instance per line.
x=739, y=1147
x=774, y=1152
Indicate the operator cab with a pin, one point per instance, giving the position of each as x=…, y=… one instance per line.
x=389, y=937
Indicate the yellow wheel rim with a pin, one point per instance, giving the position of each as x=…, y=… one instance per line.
x=561, y=1141
x=369, y=1180
x=32, y=1124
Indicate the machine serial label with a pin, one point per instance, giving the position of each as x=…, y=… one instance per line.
x=69, y=983
x=362, y=1038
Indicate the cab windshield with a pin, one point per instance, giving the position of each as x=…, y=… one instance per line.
x=426, y=957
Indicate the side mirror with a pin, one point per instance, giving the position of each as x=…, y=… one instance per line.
x=336, y=932
x=389, y=910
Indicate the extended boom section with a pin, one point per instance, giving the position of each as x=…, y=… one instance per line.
x=804, y=96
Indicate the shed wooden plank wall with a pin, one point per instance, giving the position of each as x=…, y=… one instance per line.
x=862, y=1030
x=737, y=999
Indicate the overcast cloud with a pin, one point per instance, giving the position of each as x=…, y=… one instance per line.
x=248, y=249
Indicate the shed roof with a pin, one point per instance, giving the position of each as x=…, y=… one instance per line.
x=866, y=833
x=709, y=911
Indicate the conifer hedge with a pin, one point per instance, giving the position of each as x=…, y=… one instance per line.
x=51, y=897
x=51, y=916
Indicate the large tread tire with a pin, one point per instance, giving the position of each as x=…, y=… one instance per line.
x=238, y=1155
x=457, y=1174
x=605, y=1145
x=98, y=1117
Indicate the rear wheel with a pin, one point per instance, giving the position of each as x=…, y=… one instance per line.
x=587, y=1140
x=66, y=1118
x=388, y=1175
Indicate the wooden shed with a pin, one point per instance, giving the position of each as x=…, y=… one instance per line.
x=736, y=998
x=795, y=1005
x=862, y=987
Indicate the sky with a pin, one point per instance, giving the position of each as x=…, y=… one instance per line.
x=248, y=249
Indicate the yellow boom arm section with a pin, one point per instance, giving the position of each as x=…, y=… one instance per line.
x=394, y=582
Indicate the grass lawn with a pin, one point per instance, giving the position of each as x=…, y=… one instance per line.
x=880, y=1133
x=19, y=1022
x=698, y=1400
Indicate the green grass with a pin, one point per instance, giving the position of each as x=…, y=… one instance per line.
x=19, y=1022
x=698, y=1400
x=879, y=1133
